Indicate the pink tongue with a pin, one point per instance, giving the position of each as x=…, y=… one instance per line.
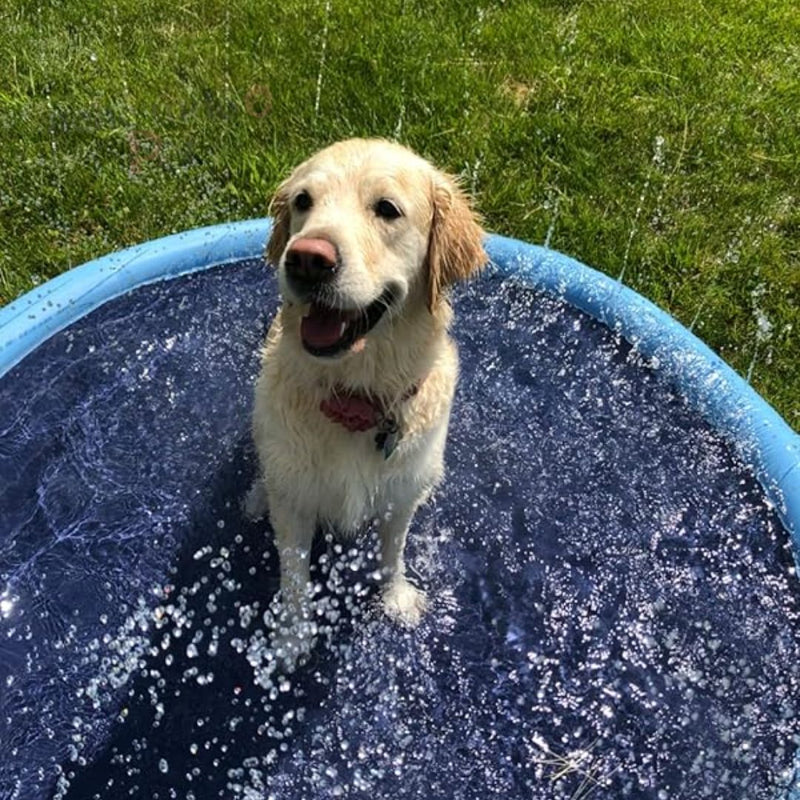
x=322, y=327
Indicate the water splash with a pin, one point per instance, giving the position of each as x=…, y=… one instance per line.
x=398, y=128
x=471, y=172
x=656, y=163
x=763, y=332
x=323, y=52
x=553, y=201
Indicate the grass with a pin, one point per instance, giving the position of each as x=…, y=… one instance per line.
x=658, y=140
x=578, y=764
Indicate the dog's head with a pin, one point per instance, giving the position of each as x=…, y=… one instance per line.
x=364, y=230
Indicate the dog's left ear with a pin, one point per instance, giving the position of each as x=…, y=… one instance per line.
x=279, y=209
x=455, y=246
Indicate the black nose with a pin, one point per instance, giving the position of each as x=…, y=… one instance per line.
x=311, y=262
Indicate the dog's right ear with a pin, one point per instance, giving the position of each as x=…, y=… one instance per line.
x=279, y=209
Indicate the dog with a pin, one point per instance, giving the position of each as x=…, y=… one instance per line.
x=358, y=371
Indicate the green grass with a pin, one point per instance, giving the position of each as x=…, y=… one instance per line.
x=654, y=139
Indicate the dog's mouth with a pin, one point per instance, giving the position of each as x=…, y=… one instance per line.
x=327, y=331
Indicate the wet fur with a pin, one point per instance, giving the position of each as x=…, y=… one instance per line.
x=312, y=469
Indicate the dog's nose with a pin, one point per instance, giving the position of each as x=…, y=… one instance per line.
x=310, y=262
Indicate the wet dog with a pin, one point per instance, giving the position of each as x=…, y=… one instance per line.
x=358, y=371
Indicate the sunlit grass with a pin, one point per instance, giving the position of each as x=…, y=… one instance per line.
x=653, y=139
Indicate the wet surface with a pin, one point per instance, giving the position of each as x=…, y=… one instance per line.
x=613, y=609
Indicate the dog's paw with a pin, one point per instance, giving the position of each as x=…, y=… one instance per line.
x=404, y=603
x=255, y=502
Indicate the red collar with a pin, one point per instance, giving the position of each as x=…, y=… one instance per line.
x=356, y=411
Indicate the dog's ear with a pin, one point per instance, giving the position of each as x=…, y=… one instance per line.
x=455, y=245
x=279, y=209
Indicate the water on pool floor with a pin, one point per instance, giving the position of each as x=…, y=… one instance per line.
x=613, y=606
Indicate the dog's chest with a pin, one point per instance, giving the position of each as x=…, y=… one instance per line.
x=349, y=479
x=342, y=477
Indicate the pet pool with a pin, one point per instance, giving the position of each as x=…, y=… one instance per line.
x=613, y=597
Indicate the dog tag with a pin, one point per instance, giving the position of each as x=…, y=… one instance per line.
x=388, y=436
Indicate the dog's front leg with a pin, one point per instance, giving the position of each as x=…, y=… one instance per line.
x=401, y=600
x=295, y=628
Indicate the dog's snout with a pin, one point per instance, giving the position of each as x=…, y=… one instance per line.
x=310, y=262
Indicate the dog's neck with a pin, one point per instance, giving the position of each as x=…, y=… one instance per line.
x=361, y=412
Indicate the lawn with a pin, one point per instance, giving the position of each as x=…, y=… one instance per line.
x=657, y=140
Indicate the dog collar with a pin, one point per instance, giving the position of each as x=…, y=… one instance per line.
x=359, y=412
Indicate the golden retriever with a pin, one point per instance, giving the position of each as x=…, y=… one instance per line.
x=358, y=371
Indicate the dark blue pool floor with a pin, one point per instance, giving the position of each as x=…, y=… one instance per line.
x=613, y=609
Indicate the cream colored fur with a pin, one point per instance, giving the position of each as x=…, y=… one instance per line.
x=313, y=469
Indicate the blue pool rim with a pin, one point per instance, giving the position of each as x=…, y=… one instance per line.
x=761, y=437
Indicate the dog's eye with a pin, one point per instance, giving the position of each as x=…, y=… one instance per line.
x=303, y=201
x=387, y=209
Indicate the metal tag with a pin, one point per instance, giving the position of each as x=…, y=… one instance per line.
x=388, y=436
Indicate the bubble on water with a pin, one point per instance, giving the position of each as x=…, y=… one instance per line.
x=202, y=552
x=7, y=601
